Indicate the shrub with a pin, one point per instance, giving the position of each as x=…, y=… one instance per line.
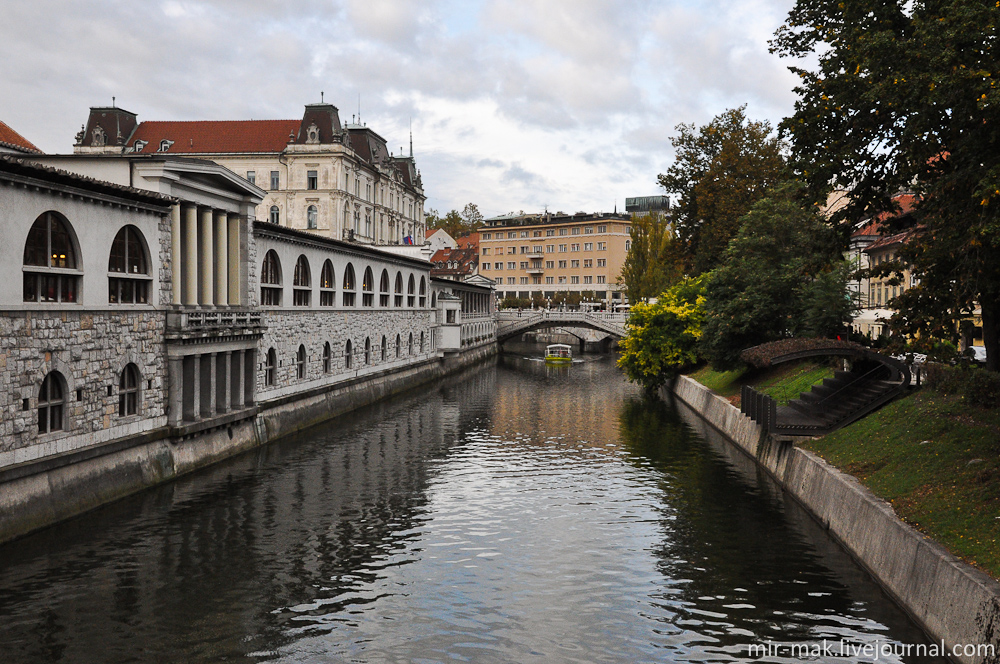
x=976, y=386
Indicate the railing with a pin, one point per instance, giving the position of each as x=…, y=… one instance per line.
x=209, y=320
x=759, y=407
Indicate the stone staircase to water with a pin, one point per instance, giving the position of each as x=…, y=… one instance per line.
x=840, y=400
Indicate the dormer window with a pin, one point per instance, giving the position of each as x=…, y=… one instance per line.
x=139, y=145
x=312, y=134
x=99, y=138
x=165, y=145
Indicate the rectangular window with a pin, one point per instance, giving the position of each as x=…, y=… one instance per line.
x=524, y=265
x=536, y=280
x=588, y=262
x=602, y=262
x=576, y=230
x=251, y=177
x=524, y=281
x=589, y=230
x=524, y=250
x=574, y=247
x=562, y=280
x=498, y=266
x=588, y=280
x=511, y=250
x=562, y=264
x=536, y=249
x=550, y=280
x=275, y=181
x=563, y=231
x=574, y=279
x=550, y=264
x=600, y=278
x=550, y=232
x=602, y=229
x=511, y=234
x=511, y=265
x=550, y=248
x=511, y=280
x=312, y=180
x=562, y=248
x=487, y=236
x=524, y=233
x=486, y=266
x=486, y=251
x=536, y=234
x=602, y=246
x=588, y=246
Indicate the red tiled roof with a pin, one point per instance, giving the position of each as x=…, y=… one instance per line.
x=468, y=242
x=12, y=139
x=892, y=240
x=215, y=136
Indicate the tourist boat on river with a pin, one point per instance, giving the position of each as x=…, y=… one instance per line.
x=558, y=354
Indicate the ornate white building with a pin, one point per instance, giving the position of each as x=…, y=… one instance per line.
x=340, y=181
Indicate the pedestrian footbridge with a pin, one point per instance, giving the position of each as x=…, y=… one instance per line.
x=512, y=324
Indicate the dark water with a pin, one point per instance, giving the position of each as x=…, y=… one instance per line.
x=521, y=514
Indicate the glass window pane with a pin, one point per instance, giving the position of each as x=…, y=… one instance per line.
x=62, y=248
x=36, y=247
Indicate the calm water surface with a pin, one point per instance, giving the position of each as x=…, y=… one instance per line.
x=523, y=513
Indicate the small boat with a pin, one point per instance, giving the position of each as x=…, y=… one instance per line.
x=558, y=354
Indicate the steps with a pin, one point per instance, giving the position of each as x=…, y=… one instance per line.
x=838, y=401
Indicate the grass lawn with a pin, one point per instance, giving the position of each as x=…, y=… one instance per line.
x=936, y=460
x=782, y=382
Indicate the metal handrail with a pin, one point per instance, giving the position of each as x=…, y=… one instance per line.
x=853, y=382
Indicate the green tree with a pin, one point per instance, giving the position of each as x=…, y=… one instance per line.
x=783, y=276
x=904, y=96
x=663, y=337
x=720, y=171
x=472, y=219
x=654, y=260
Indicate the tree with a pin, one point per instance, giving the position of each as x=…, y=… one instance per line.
x=720, y=171
x=471, y=217
x=783, y=276
x=654, y=260
x=663, y=337
x=905, y=97
x=455, y=223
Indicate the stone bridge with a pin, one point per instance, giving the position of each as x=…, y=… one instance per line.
x=511, y=324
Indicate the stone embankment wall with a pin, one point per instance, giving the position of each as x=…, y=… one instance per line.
x=952, y=601
x=36, y=495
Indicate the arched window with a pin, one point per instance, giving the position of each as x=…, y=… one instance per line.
x=349, y=286
x=327, y=357
x=348, y=355
x=421, y=342
x=128, y=391
x=410, y=287
x=423, y=293
x=50, y=261
x=399, y=346
x=434, y=300
x=270, y=366
x=385, y=348
x=398, y=300
x=128, y=257
x=409, y=345
x=270, y=280
x=301, y=283
x=326, y=285
x=368, y=289
x=383, y=289
x=300, y=362
x=275, y=217
x=51, y=403
x=311, y=216
x=368, y=351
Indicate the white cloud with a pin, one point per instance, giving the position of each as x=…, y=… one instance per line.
x=515, y=104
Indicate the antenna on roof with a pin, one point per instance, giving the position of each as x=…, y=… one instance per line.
x=112, y=102
x=321, y=96
x=359, y=108
x=411, y=138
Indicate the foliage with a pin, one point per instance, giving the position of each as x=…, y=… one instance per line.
x=905, y=97
x=974, y=385
x=455, y=223
x=472, y=219
x=782, y=267
x=719, y=172
x=514, y=303
x=663, y=337
x=654, y=260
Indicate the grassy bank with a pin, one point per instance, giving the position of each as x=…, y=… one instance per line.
x=935, y=458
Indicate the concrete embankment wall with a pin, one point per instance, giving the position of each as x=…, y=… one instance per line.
x=36, y=495
x=952, y=601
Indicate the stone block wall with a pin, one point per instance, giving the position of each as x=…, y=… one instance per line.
x=90, y=349
x=287, y=329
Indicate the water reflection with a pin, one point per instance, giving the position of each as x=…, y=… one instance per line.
x=523, y=513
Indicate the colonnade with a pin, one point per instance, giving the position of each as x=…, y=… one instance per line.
x=205, y=254
x=475, y=303
x=212, y=384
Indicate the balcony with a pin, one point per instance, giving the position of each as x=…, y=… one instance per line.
x=185, y=324
x=535, y=269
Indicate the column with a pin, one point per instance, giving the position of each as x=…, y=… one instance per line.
x=236, y=389
x=233, y=224
x=190, y=231
x=206, y=272
x=222, y=382
x=249, y=376
x=176, y=243
x=221, y=228
x=175, y=376
x=207, y=387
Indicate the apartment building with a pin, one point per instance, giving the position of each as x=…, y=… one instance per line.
x=538, y=256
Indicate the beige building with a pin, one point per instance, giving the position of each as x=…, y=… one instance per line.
x=340, y=181
x=531, y=256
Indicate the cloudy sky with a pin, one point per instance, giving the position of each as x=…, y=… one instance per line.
x=514, y=104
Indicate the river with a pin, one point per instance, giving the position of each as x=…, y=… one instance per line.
x=516, y=513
